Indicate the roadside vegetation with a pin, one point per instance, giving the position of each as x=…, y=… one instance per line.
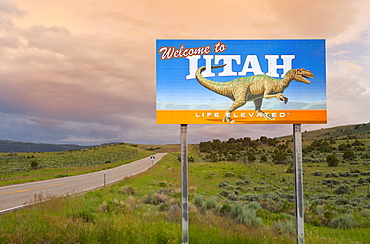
x=240, y=191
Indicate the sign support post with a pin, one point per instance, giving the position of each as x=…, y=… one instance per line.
x=298, y=183
x=184, y=183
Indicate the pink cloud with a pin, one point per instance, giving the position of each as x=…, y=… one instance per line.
x=47, y=123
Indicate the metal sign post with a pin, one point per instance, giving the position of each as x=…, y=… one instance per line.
x=184, y=183
x=298, y=183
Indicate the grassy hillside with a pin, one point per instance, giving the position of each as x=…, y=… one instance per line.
x=24, y=167
x=360, y=131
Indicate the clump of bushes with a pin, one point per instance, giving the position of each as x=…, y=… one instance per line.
x=348, y=174
x=224, y=183
x=342, y=189
x=331, y=175
x=243, y=182
x=285, y=226
x=246, y=214
x=364, y=181
x=127, y=190
x=229, y=174
x=155, y=198
x=331, y=182
x=345, y=221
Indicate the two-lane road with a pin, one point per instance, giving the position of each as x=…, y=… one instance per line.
x=16, y=196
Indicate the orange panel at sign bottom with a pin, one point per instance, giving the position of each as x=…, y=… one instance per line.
x=241, y=117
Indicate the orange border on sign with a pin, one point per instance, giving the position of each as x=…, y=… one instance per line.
x=241, y=117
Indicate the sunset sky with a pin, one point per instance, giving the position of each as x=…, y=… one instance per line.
x=83, y=72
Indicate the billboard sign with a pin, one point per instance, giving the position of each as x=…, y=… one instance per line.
x=241, y=81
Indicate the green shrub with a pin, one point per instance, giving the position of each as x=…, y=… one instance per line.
x=350, y=155
x=332, y=160
x=224, y=193
x=330, y=182
x=113, y=206
x=154, y=198
x=285, y=226
x=249, y=217
x=343, y=189
x=253, y=205
x=323, y=196
x=341, y=201
x=245, y=215
x=240, y=182
x=127, y=190
x=236, y=211
x=229, y=174
x=345, y=221
x=280, y=157
x=259, y=188
x=328, y=215
x=225, y=208
x=224, y=183
x=364, y=181
x=162, y=184
x=233, y=196
x=84, y=214
x=34, y=165
x=198, y=200
x=272, y=195
x=211, y=203
x=164, y=207
x=263, y=158
x=331, y=175
x=365, y=213
x=247, y=181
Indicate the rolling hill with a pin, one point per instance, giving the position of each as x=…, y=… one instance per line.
x=15, y=146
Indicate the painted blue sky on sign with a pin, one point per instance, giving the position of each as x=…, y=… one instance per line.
x=174, y=87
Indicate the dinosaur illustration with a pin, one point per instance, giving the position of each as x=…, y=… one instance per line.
x=252, y=88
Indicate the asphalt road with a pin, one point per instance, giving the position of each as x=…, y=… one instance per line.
x=13, y=197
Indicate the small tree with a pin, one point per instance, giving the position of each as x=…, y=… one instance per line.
x=34, y=165
x=349, y=155
x=280, y=157
x=332, y=160
x=263, y=158
x=251, y=157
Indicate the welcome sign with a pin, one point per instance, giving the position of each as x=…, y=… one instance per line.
x=241, y=82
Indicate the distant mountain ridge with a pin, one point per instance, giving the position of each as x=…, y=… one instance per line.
x=7, y=146
x=359, y=131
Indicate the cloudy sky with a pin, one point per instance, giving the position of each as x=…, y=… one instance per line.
x=83, y=71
